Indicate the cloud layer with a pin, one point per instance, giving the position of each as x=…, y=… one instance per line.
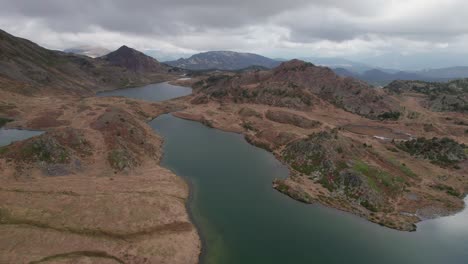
x=276, y=28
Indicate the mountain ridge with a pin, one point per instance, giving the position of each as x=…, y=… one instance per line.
x=26, y=67
x=223, y=60
x=297, y=84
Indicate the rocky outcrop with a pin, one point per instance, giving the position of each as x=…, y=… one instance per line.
x=340, y=165
x=440, y=97
x=58, y=152
x=442, y=151
x=125, y=138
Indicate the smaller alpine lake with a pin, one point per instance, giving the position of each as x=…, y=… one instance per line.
x=8, y=136
x=152, y=92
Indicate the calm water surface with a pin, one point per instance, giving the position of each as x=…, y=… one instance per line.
x=242, y=219
x=8, y=136
x=152, y=92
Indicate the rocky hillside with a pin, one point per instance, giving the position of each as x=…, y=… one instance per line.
x=134, y=60
x=223, y=60
x=27, y=68
x=440, y=151
x=299, y=85
x=440, y=97
x=345, y=168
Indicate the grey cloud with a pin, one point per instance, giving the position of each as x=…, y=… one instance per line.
x=248, y=25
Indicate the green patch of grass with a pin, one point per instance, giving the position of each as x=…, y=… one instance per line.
x=448, y=189
x=385, y=178
x=392, y=149
x=372, y=184
x=361, y=167
x=339, y=150
x=407, y=171
x=369, y=206
x=341, y=165
x=3, y=121
x=327, y=183
x=248, y=126
x=375, y=176
x=389, y=116
x=3, y=150
x=367, y=171
x=280, y=186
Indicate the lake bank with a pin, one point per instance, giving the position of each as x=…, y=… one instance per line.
x=244, y=220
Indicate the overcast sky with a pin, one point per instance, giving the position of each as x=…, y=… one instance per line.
x=369, y=30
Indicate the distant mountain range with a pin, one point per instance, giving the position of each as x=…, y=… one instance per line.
x=89, y=51
x=382, y=78
x=234, y=61
x=223, y=60
x=352, y=66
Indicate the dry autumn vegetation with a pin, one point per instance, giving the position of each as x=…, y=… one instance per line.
x=394, y=155
x=89, y=189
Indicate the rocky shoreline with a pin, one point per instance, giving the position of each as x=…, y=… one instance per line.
x=271, y=136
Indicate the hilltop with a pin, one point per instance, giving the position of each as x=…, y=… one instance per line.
x=134, y=61
x=299, y=85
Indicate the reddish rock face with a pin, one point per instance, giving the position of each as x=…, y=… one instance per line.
x=134, y=60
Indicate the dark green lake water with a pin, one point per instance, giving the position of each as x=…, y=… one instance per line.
x=153, y=92
x=242, y=219
x=8, y=136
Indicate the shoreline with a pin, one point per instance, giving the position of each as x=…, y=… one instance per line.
x=409, y=226
x=188, y=202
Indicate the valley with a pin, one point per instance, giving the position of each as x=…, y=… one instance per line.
x=100, y=186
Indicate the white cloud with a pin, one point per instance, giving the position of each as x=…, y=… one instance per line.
x=295, y=28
